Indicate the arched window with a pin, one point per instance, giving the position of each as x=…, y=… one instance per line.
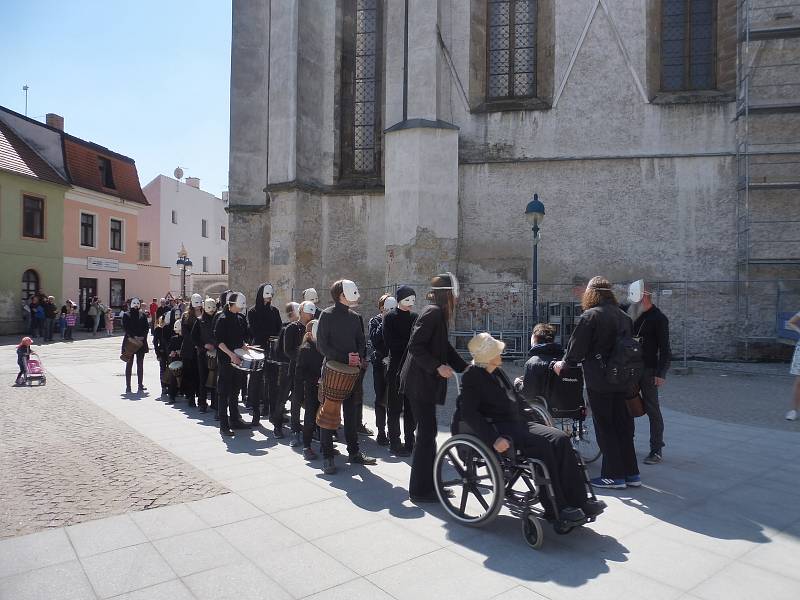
x=688, y=45
x=511, y=46
x=361, y=84
x=30, y=283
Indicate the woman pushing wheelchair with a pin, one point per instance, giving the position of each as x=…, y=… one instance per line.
x=492, y=410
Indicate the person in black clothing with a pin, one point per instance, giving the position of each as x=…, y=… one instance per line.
x=379, y=357
x=591, y=343
x=174, y=353
x=203, y=338
x=341, y=338
x=429, y=363
x=397, y=325
x=190, y=384
x=278, y=400
x=264, y=321
x=309, y=367
x=50, y=314
x=135, y=325
x=311, y=295
x=544, y=351
x=293, y=336
x=651, y=326
x=230, y=333
x=490, y=408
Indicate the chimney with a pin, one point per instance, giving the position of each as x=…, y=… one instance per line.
x=225, y=197
x=55, y=120
x=194, y=182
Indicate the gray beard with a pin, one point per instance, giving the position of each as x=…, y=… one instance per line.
x=635, y=310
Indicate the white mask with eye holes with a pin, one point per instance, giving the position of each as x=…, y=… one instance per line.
x=239, y=300
x=389, y=304
x=311, y=295
x=197, y=301
x=409, y=301
x=136, y=303
x=268, y=292
x=350, y=291
x=177, y=327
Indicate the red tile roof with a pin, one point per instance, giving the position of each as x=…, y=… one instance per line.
x=17, y=157
x=82, y=159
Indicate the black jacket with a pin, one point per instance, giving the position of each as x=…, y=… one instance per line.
x=653, y=329
x=488, y=405
x=378, y=349
x=264, y=320
x=537, y=368
x=593, y=339
x=428, y=349
x=309, y=362
x=135, y=324
x=292, y=338
x=340, y=332
x=397, y=325
x=203, y=332
x=230, y=329
x=188, y=351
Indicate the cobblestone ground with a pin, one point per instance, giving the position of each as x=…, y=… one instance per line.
x=64, y=460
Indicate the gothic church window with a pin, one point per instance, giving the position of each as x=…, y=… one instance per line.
x=688, y=45
x=511, y=60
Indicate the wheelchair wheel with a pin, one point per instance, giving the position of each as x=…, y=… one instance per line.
x=467, y=466
x=585, y=441
x=540, y=414
x=532, y=531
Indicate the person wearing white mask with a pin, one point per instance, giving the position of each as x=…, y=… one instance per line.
x=230, y=332
x=341, y=338
x=136, y=326
x=264, y=321
x=378, y=356
x=397, y=325
x=292, y=338
x=311, y=295
x=203, y=338
x=278, y=402
x=188, y=352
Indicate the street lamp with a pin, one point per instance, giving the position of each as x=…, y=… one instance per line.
x=535, y=215
x=185, y=262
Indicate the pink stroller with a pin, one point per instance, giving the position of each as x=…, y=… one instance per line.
x=34, y=370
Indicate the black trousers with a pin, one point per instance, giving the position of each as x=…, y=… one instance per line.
x=139, y=369
x=379, y=385
x=351, y=415
x=653, y=409
x=189, y=380
x=614, y=429
x=282, y=391
x=311, y=403
x=231, y=380
x=204, y=392
x=398, y=404
x=298, y=399
x=424, y=454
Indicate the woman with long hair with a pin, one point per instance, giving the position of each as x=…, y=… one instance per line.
x=429, y=363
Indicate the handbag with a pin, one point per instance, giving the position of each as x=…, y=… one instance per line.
x=635, y=404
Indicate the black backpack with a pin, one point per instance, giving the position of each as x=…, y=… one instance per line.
x=624, y=366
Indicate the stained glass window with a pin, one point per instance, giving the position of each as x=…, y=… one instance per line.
x=512, y=48
x=366, y=82
x=688, y=52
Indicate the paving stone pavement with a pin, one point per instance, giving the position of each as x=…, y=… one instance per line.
x=64, y=461
x=718, y=519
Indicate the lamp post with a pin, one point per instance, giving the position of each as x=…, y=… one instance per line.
x=535, y=215
x=185, y=262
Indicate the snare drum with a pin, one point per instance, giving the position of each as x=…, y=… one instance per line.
x=252, y=360
x=338, y=382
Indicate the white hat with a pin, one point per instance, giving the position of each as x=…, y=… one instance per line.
x=350, y=290
x=484, y=348
x=308, y=307
x=389, y=303
x=135, y=303
x=197, y=300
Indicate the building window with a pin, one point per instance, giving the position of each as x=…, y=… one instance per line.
x=116, y=235
x=223, y=267
x=106, y=176
x=174, y=217
x=204, y=228
x=688, y=45
x=361, y=85
x=144, y=251
x=87, y=230
x=511, y=57
x=205, y=264
x=116, y=292
x=33, y=217
x=30, y=284
x=222, y=232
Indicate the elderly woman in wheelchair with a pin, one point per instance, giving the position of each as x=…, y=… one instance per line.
x=498, y=445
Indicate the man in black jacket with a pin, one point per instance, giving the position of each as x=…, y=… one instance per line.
x=341, y=338
x=378, y=356
x=292, y=338
x=203, y=338
x=397, y=325
x=265, y=322
x=652, y=327
x=544, y=350
x=230, y=333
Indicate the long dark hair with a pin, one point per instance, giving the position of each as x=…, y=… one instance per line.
x=598, y=291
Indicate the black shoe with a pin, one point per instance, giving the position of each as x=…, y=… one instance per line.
x=364, y=430
x=399, y=451
x=142, y=388
x=240, y=424
x=653, y=458
x=592, y=508
x=255, y=423
x=570, y=513
x=359, y=458
x=431, y=498
x=203, y=408
x=128, y=390
x=171, y=400
x=226, y=432
x=382, y=440
x=279, y=433
x=328, y=466
x=309, y=454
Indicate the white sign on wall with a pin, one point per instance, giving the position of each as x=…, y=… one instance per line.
x=102, y=264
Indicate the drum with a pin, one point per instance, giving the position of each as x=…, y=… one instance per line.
x=252, y=360
x=338, y=382
x=176, y=368
x=272, y=349
x=211, y=359
x=129, y=348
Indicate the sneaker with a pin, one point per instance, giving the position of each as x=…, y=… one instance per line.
x=364, y=430
x=653, y=458
x=309, y=454
x=791, y=415
x=608, y=484
x=382, y=440
x=296, y=440
x=127, y=390
x=359, y=458
x=328, y=466
x=226, y=432
x=399, y=451
x=633, y=481
x=279, y=433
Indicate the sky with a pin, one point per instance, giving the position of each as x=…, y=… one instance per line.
x=149, y=79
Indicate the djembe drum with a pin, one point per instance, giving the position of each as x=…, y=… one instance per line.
x=130, y=348
x=337, y=383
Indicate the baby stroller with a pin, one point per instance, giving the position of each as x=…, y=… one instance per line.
x=34, y=371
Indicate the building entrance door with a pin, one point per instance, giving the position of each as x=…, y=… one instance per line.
x=87, y=289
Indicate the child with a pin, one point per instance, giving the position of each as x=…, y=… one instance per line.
x=70, y=319
x=23, y=352
x=174, y=349
x=109, y=321
x=309, y=367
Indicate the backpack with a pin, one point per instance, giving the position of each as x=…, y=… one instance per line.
x=624, y=366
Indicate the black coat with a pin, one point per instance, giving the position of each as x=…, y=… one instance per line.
x=340, y=332
x=264, y=320
x=537, y=368
x=428, y=349
x=135, y=325
x=653, y=328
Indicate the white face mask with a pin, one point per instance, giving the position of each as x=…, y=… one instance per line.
x=314, y=329
x=136, y=303
x=177, y=327
x=268, y=292
x=408, y=302
x=350, y=291
x=197, y=300
x=389, y=304
x=311, y=295
x=210, y=306
x=240, y=300
x=636, y=291
x=309, y=308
